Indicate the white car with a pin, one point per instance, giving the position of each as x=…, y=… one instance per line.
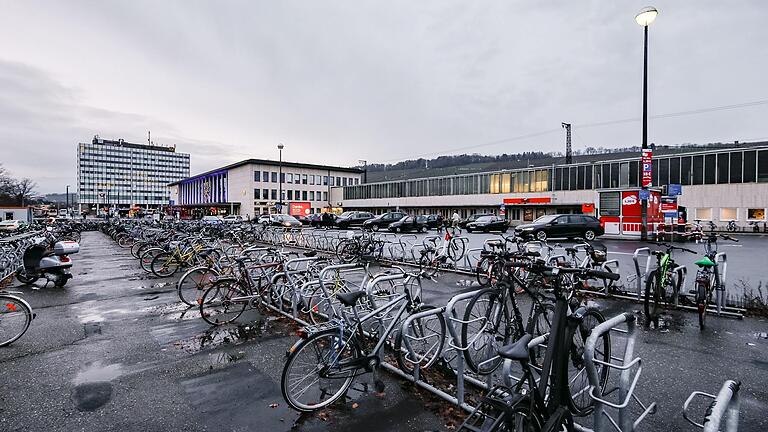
x=212, y=219
x=233, y=218
x=11, y=225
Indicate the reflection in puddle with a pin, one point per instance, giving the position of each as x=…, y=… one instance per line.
x=237, y=334
x=97, y=371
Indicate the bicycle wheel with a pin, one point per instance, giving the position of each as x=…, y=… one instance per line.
x=193, y=284
x=653, y=297
x=540, y=323
x=429, y=264
x=487, y=327
x=580, y=402
x=482, y=271
x=703, y=297
x=426, y=337
x=146, y=258
x=217, y=306
x=15, y=317
x=319, y=307
x=314, y=375
x=456, y=250
x=521, y=419
x=164, y=265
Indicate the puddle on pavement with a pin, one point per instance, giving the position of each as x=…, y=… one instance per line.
x=762, y=335
x=92, y=328
x=667, y=323
x=93, y=388
x=98, y=371
x=224, y=358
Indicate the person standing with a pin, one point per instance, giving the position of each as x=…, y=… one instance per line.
x=455, y=219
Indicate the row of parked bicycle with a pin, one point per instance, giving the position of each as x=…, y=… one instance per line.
x=359, y=320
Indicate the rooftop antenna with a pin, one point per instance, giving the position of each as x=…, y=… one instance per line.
x=568, y=153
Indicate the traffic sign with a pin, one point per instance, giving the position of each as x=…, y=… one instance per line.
x=644, y=194
x=675, y=189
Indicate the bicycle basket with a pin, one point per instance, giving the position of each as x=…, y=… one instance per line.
x=599, y=252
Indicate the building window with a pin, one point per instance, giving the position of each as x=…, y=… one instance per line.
x=273, y=194
x=256, y=194
x=357, y=181
x=311, y=179
x=762, y=166
x=265, y=176
x=710, y=169
x=274, y=177
x=282, y=177
x=289, y=178
x=610, y=204
x=331, y=181
x=722, y=168
x=634, y=174
x=698, y=170
x=685, y=170
x=265, y=194
x=749, y=166
x=756, y=214
x=674, y=170
x=703, y=213
x=311, y=195
x=290, y=195
x=296, y=194
x=624, y=174
x=736, y=167
x=729, y=214
x=338, y=181
x=304, y=195
x=257, y=176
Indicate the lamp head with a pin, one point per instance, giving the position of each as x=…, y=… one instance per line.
x=280, y=146
x=646, y=16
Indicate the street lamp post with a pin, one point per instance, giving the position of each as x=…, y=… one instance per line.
x=365, y=170
x=280, y=178
x=645, y=17
x=68, y=201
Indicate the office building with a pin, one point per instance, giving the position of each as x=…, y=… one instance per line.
x=122, y=176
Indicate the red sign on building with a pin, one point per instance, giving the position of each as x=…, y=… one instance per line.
x=647, y=163
x=301, y=208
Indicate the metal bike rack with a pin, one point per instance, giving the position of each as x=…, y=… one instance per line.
x=724, y=406
x=644, y=274
x=631, y=369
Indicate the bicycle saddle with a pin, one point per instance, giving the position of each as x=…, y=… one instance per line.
x=516, y=350
x=349, y=299
x=310, y=254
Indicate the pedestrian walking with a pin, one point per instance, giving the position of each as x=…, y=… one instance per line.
x=455, y=219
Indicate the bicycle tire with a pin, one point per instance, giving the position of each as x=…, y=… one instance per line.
x=216, y=306
x=419, y=327
x=583, y=404
x=482, y=271
x=492, y=341
x=191, y=290
x=15, y=318
x=164, y=265
x=651, y=303
x=702, y=300
x=318, y=344
x=456, y=250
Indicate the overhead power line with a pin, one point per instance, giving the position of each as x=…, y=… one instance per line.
x=590, y=125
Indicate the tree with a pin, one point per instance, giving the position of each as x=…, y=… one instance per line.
x=23, y=189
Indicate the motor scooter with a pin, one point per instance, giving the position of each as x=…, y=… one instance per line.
x=50, y=259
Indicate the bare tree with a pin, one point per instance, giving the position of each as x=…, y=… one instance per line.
x=23, y=189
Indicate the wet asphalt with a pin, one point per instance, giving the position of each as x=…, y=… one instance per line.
x=115, y=350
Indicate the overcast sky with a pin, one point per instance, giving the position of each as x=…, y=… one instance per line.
x=338, y=81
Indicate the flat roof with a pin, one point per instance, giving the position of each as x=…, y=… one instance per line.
x=272, y=163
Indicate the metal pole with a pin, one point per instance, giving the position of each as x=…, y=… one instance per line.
x=280, y=179
x=67, y=200
x=644, y=202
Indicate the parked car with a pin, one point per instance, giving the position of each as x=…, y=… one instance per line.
x=434, y=221
x=233, y=218
x=283, y=220
x=464, y=222
x=352, y=219
x=383, y=221
x=208, y=219
x=561, y=226
x=488, y=223
x=263, y=219
x=11, y=225
x=408, y=224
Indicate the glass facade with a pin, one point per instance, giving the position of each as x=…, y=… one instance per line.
x=121, y=173
x=710, y=167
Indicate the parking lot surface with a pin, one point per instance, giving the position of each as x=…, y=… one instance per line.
x=115, y=350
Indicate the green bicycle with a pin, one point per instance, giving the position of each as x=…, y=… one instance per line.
x=662, y=284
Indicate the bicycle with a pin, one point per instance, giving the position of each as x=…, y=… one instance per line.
x=545, y=404
x=322, y=364
x=434, y=256
x=708, y=276
x=15, y=314
x=661, y=282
